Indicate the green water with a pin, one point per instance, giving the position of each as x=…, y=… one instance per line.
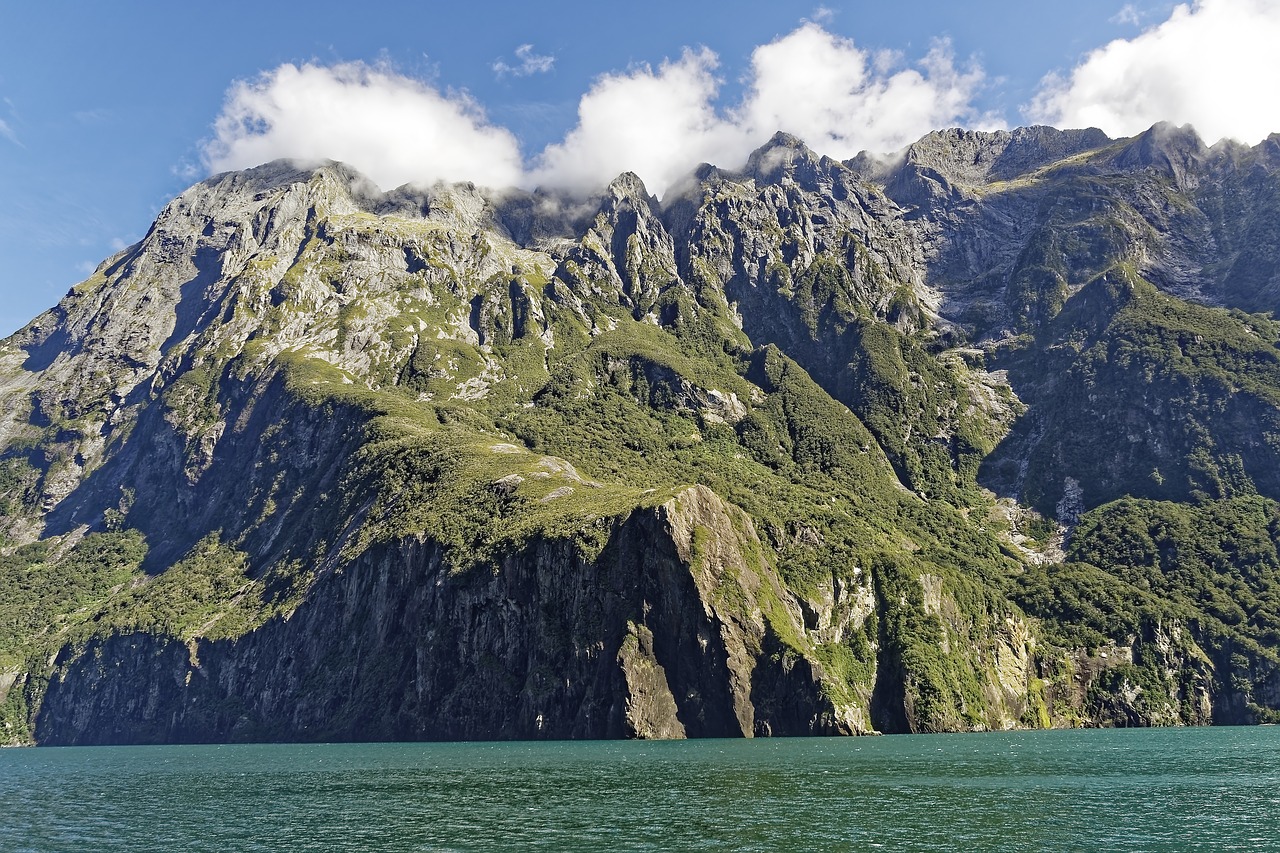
x=1161, y=789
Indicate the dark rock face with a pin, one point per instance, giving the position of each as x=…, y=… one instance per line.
x=1014, y=223
x=394, y=647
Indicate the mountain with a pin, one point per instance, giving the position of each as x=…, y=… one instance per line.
x=980, y=436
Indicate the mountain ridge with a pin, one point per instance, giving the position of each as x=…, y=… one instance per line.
x=819, y=388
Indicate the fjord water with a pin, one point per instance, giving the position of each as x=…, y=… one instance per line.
x=1132, y=790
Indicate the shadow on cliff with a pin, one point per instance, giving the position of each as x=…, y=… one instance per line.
x=177, y=487
x=396, y=646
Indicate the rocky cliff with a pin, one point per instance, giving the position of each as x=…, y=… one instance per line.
x=980, y=436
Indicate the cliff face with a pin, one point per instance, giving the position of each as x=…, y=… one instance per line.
x=653, y=638
x=676, y=629
x=961, y=440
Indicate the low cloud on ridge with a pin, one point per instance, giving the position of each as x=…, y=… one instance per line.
x=659, y=123
x=1214, y=64
x=835, y=96
x=1209, y=64
x=394, y=129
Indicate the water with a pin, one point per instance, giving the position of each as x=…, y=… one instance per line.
x=1134, y=790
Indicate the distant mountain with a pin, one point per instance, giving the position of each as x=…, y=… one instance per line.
x=986, y=435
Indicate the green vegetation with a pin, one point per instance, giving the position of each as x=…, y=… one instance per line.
x=18, y=494
x=407, y=379
x=47, y=593
x=1177, y=582
x=1143, y=394
x=208, y=593
x=51, y=593
x=1219, y=559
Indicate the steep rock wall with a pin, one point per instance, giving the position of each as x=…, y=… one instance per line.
x=643, y=641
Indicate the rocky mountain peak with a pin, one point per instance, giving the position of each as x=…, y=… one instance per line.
x=951, y=164
x=628, y=185
x=1030, y=148
x=1262, y=158
x=1270, y=149
x=786, y=156
x=626, y=197
x=1176, y=151
x=330, y=182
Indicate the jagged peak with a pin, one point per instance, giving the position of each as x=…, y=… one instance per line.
x=335, y=188
x=1233, y=153
x=628, y=192
x=956, y=146
x=284, y=173
x=1268, y=150
x=974, y=157
x=331, y=185
x=627, y=184
x=777, y=157
x=948, y=136
x=1161, y=143
x=782, y=139
x=1033, y=147
x=1177, y=151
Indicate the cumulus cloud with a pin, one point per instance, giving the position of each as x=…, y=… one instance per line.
x=530, y=63
x=1213, y=64
x=394, y=129
x=835, y=96
x=658, y=122
x=841, y=99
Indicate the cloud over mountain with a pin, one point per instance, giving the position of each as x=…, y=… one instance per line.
x=392, y=128
x=1207, y=65
x=1213, y=64
x=839, y=98
x=658, y=122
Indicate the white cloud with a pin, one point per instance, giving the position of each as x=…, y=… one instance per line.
x=841, y=99
x=1128, y=15
x=185, y=169
x=1214, y=64
x=392, y=128
x=658, y=122
x=530, y=63
x=838, y=98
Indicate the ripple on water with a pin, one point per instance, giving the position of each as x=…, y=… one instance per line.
x=1186, y=789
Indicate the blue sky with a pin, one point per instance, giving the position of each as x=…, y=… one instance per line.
x=108, y=110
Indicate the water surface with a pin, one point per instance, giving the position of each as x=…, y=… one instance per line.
x=1130, y=790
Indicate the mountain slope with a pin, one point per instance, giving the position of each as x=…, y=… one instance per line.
x=313, y=461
